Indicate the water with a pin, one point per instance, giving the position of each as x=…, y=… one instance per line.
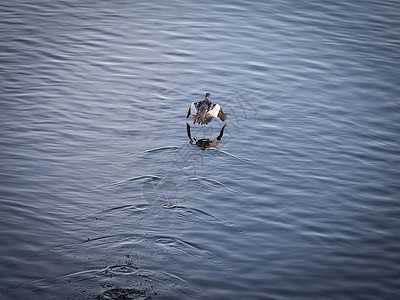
x=102, y=196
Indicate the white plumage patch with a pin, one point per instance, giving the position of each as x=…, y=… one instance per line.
x=215, y=111
x=193, y=110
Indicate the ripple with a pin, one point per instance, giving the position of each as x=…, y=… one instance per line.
x=207, y=182
x=118, y=210
x=173, y=243
x=162, y=149
x=97, y=199
x=142, y=178
x=122, y=269
x=124, y=293
x=116, y=280
x=188, y=213
x=234, y=156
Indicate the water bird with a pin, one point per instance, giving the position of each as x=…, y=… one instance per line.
x=204, y=111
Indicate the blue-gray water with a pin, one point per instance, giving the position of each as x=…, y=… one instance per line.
x=102, y=196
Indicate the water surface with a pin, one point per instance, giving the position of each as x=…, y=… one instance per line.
x=103, y=197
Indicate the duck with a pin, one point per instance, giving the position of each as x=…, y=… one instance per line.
x=204, y=111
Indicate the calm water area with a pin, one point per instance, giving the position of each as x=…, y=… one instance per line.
x=103, y=197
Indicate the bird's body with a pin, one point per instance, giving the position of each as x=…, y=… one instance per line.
x=204, y=111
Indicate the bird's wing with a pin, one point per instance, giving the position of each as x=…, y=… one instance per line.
x=192, y=110
x=214, y=112
x=221, y=115
x=188, y=114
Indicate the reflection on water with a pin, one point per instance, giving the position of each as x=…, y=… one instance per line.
x=102, y=196
x=205, y=143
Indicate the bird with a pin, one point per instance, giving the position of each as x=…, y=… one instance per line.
x=204, y=111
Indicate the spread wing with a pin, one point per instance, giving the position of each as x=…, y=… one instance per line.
x=214, y=111
x=188, y=114
x=217, y=112
x=192, y=110
x=221, y=115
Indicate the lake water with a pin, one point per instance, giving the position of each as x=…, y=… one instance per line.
x=103, y=197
